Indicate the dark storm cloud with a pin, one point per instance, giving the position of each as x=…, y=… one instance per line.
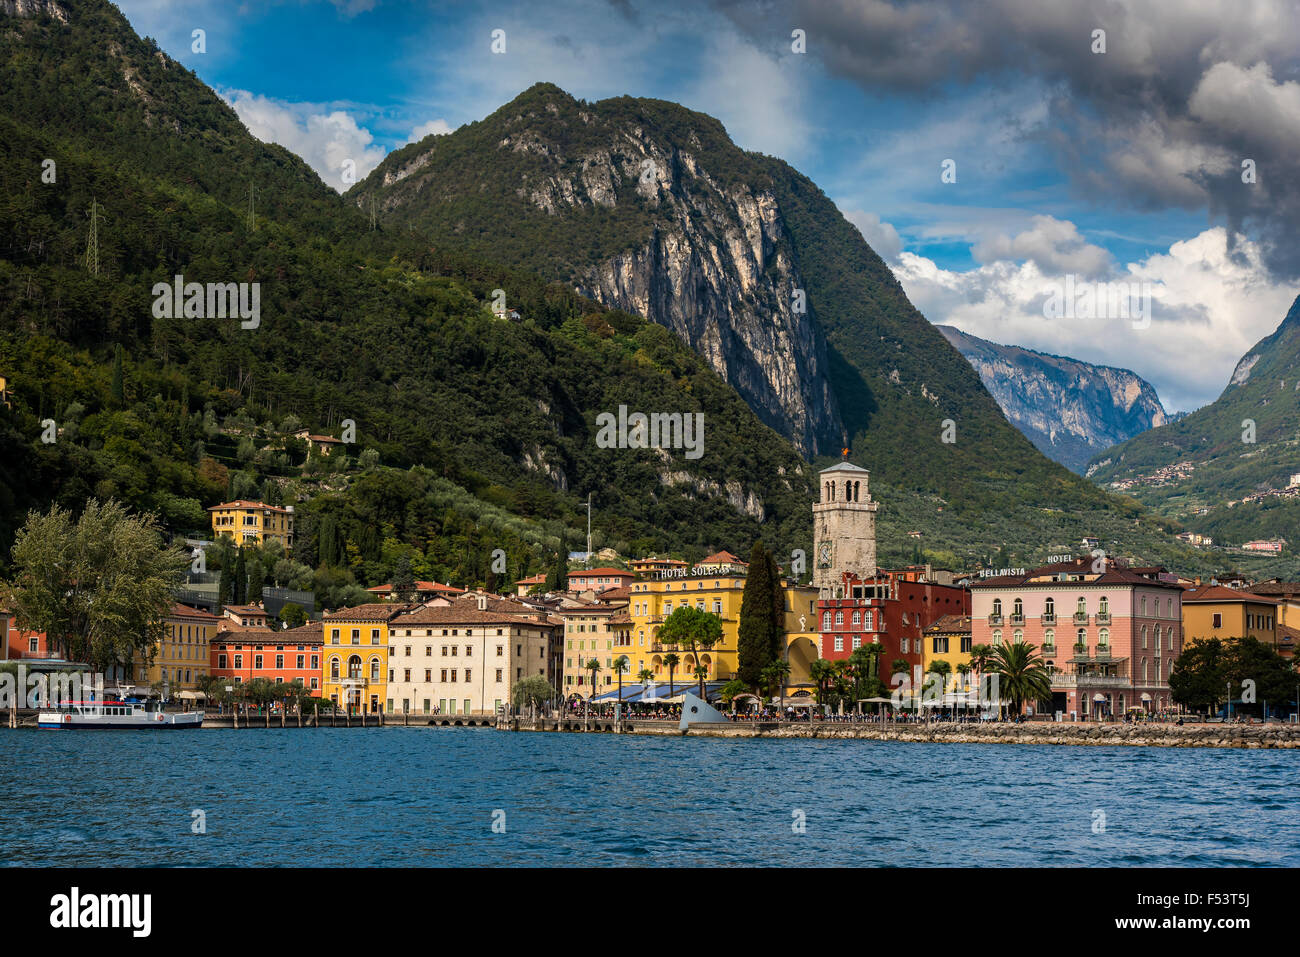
x=1185, y=91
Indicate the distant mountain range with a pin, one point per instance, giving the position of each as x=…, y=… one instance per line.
x=1225, y=470
x=1070, y=409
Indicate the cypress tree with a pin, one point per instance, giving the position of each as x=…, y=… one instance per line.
x=239, y=587
x=778, y=609
x=255, y=583
x=755, y=637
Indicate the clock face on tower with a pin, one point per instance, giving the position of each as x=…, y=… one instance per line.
x=824, y=555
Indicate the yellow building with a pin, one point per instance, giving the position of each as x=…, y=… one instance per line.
x=948, y=639
x=1212, y=611
x=653, y=601
x=599, y=630
x=354, y=660
x=251, y=523
x=181, y=657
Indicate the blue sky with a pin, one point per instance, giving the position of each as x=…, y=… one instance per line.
x=1063, y=166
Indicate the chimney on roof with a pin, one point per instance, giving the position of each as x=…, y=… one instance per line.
x=482, y=602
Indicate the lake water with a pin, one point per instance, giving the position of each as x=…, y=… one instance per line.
x=429, y=796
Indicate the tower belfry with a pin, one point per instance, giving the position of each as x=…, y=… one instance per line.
x=844, y=527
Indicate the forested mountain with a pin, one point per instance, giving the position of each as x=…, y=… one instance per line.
x=649, y=207
x=1069, y=409
x=1225, y=470
x=386, y=331
x=474, y=431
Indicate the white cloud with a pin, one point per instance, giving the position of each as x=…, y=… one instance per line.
x=1054, y=245
x=435, y=127
x=1210, y=305
x=327, y=139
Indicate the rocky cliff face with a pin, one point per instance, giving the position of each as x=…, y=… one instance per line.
x=1069, y=409
x=711, y=260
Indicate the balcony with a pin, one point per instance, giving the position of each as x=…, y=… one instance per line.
x=1049, y=618
x=1048, y=650
x=1103, y=618
x=995, y=619
x=1080, y=617
x=1017, y=619
x=1103, y=652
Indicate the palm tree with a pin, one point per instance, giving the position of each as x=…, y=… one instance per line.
x=1020, y=674
x=943, y=669
x=621, y=666
x=821, y=671
x=979, y=657
x=672, y=661
x=701, y=673
x=593, y=666
x=645, y=676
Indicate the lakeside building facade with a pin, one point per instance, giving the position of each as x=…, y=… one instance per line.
x=240, y=654
x=182, y=656
x=1109, y=634
x=252, y=523
x=452, y=659
x=599, y=579
x=355, y=655
x=1212, y=611
x=594, y=630
x=651, y=602
x=1287, y=595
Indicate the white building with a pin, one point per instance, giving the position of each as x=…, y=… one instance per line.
x=458, y=660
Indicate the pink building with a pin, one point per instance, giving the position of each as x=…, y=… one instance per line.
x=1109, y=633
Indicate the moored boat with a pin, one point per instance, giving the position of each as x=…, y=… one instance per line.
x=115, y=715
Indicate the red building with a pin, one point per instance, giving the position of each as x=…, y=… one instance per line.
x=893, y=608
x=22, y=644
x=242, y=654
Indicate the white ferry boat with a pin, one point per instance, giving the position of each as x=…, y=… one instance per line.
x=114, y=715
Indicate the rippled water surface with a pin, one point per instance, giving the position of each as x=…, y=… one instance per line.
x=427, y=796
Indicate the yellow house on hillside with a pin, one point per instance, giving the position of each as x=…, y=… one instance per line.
x=251, y=523
x=354, y=661
x=651, y=602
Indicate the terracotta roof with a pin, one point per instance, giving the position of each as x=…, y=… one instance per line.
x=184, y=611
x=621, y=618
x=500, y=606
x=1275, y=588
x=381, y=611
x=311, y=633
x=242, y=503
x=722, y=557
x=532, y=580
x=950, y=624
x=621, y=593
x=246, y=609
x=1217, y=593
x=435, y=587
x=457, y=615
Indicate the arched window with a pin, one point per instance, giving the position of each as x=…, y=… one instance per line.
x=826, y=621
x=997, y=606
x=839, y=619
x=868, y=619
x=1049, y=638
x=1081, y=638
x=354, y=666
x=997, y=636
x=1018, y=609
x=1103, y=638
x=1018, y=636
x=1104, y=606
x=1082, y=607
x=374, y=669
x=334, y=668
x=1144, y=637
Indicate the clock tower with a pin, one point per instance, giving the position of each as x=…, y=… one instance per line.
x=844, y=528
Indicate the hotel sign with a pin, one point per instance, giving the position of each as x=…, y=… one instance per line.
x=695, y=571
x=1000, y=572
